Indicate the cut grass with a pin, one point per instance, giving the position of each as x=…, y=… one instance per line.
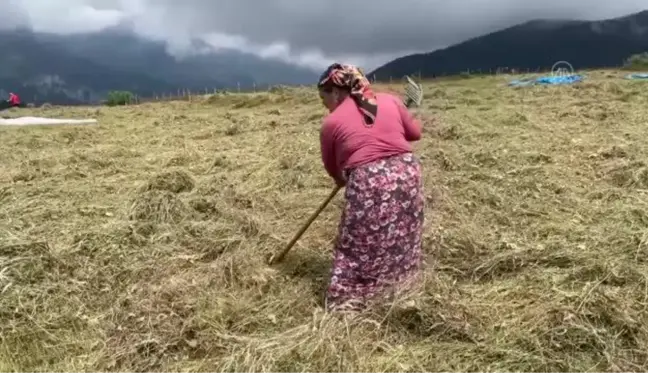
x=139, y=244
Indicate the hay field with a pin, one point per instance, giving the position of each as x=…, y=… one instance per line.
x=140, y=244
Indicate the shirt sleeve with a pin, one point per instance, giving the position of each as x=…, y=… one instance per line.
x=411, y=125
x=327, y=145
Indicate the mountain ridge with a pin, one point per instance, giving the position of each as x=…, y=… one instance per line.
x=531, y=45
x=83, y=68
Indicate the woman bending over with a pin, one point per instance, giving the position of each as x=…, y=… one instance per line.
x=365, y=147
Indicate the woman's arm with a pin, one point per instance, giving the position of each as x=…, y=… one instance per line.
x=327, y=146
x=411, y=125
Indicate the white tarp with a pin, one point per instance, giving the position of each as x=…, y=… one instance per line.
x=34, y=121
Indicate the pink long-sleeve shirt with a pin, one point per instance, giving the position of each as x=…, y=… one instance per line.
x=347, y=143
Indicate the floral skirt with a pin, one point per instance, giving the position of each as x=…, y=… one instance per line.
x=378, y=247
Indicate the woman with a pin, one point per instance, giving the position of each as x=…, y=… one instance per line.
x=14, y=100
x=365, y=147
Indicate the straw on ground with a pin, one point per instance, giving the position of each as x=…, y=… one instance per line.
x=139, y=244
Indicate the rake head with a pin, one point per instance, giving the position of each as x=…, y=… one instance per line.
x=413, y=93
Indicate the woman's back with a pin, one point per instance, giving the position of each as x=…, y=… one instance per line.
x=348, y=142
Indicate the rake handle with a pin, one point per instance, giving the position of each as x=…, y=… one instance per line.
x=279, y=257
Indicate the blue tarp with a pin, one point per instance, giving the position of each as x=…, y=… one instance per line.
x=560, y=79
x=637, y=76
x=548, y=80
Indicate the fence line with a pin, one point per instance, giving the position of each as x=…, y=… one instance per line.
x=189, y=95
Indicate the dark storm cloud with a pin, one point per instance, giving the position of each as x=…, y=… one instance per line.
x=324, y=28
x=378, y=26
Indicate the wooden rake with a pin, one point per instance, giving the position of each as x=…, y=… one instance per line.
x=413, y=97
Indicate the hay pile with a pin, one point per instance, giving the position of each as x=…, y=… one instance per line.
x=140, y=245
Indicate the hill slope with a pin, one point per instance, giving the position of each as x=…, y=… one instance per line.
x=532, y=45
x=82, y=68
x=42, y=72
x=140, y=244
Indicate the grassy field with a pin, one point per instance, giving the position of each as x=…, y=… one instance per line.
x=140, y=244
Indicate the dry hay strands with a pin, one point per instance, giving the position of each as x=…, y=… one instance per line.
x=626, y=174
x=159, y=207
x=208, y=240
x=250, y=100
x=597, y=323
x=433, y=311
x=5, y=192
x=29, y=263
x=325, y=343
x=158, y=201
x=174, y=181
x=470, y=260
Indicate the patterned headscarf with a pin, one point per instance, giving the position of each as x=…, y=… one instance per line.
x=351, y=77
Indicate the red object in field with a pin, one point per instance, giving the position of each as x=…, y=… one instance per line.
x=14, y=100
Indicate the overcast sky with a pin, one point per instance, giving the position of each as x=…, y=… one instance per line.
x=308, y=32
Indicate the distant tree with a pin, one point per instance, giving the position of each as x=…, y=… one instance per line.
x=117, y=98
x=637, y=62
